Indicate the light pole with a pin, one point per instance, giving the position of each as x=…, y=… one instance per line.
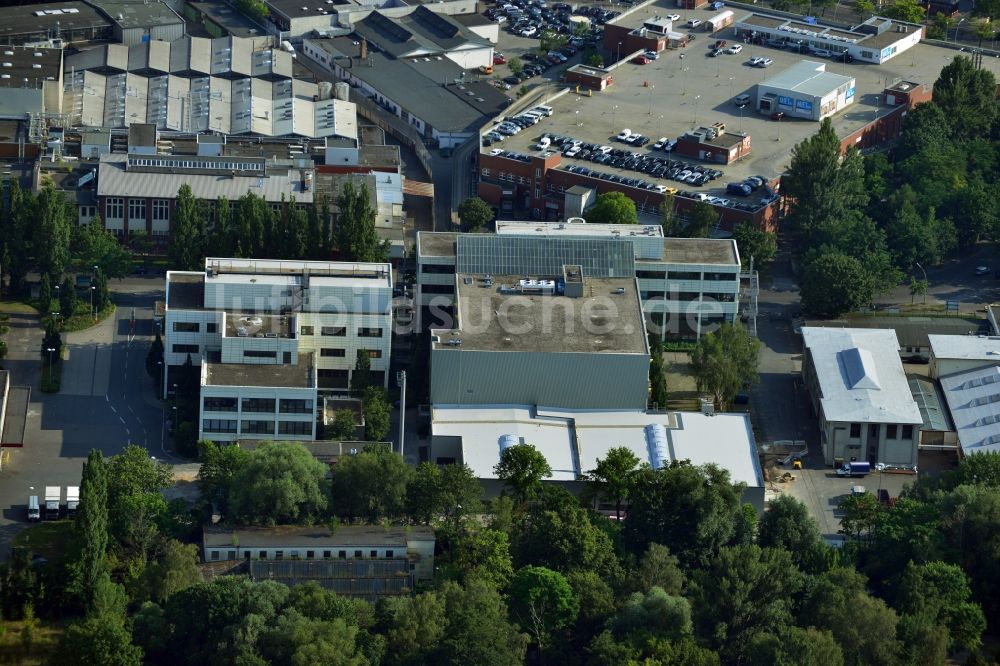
x=731, y=86
x=926, y=282
x=620, y=51
x=957, y=26
x=401, y=379
x=651, y=86
x=93, y=315
x=614, y=110
x=684, y=87
x=50, y=350
x=696, y=98
x=163, y=413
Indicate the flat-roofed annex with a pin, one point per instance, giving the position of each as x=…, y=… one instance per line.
x=498, y=315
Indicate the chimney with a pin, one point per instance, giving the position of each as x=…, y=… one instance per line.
x=363, y=49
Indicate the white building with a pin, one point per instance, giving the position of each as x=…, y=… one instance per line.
x=272, y=336
x=951, y=354
x=805, y=90
x=572, y=441
x=973, y=400
x=861, y=396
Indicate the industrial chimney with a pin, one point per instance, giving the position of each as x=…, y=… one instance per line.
x=363, y=49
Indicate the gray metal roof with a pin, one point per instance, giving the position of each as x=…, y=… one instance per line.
x=135, y=14
x=318, y=536
x=930, y=402
x=860, y=375
x=974, y=402
x=984, y=348
x=807, y=77
x=421, y=32
x=39, y=19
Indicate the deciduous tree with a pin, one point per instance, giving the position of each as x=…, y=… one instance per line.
x=787, y=525
x=279, y=483
x=612, y=208
x=376, y=412
x=474, y=213
x=542, y=602
x=754, y=242
x=91, y=524
x=522, y=469
x=967, y=97
x=371, y=485
x=612, y=478
x=834, y=284
x=187, y=231
x=51, y=231
x=724, y=362
x=478, y=630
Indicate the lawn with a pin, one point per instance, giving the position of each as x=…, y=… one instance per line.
x=17, y=648
x=17, y=307
x=47, y=538
x=82, y=318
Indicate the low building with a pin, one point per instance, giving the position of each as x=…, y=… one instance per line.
x=713, y=144
x=573, y=441
x=951, y=354
x=220, y=20
x=273, y=337
x=937, y=432
x=356, y=560
x=861, y=396
x=912, y=331
x=31, y=82
x=805, y=90
x=595, y=78
x=973, y=400
x=296, y=19
x=53, y=23
x=876, y=40
x=141, y=22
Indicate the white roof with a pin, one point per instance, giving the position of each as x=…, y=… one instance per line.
x=974, y=402
x=966, y=347
x=724, y=439
x=860, y=375
x=807, y=77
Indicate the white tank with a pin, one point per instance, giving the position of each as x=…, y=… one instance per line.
x=342, y=91
x=325, y=89
x=507, y=441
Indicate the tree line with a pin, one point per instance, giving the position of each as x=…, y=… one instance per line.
x=860, y=225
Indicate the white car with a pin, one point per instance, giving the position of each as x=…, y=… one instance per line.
x=572, y=152
x=495, y=152
x=674, y=17
x=982, y=270
x=694, y=23
x=605, y=149
x=624, y=134
x=661, y=143
x=652, y=55
x=734, y=49
x=529, y=31
x=763, y=62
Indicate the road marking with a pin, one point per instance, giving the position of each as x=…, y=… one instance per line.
x=113, y=408
x=122, y=419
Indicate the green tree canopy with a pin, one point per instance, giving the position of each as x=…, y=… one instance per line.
x=967, y=97
x=474, y=213
x=91, y=525
x=724, y=362
x=753, y=241
x=371, y=485
x=279, y=483
x=611, y=479
x=655, y=612
x=357, y=239
x=701, y=217
x=787, y=525
x=542, y=602
x=187, y=231
x=376, y=412
x=612, y=208
x=940, y=593
x=834, y=284
x=96, y=641
x=522, y=469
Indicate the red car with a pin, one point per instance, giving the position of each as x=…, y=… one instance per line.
x=499, y=59
x=777, y=115
x=641, y=60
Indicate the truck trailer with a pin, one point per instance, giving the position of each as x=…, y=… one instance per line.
x=53, y=496
x=72, y=500
x=855, y=469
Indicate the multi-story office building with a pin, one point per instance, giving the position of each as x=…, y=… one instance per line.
x=272, y=337
x=686, y=284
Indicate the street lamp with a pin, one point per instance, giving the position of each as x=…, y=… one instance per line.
x=926, y=282
x=92, y=313
x=957, y=26
x=696, y=98
x=50, y=350
x=620, y=51
x=401, y=378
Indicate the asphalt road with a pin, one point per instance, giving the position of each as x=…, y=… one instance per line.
x=108, y=400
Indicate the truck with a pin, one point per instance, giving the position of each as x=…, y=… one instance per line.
x=53, y=495
x=72, y=500
x=33, y=513
x=855, y=468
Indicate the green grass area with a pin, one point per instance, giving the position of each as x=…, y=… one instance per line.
x=48, y=538
x=17, y=307
x=17, y=648
x=82, y=319
x=52, y=376
x=678, y=346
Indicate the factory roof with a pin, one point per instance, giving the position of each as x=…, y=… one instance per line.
x=911, y=330
x=419, y=33
x=573, y=441
x=974, y=402
x=860, y=376
x=436, y=243
x=132, y=14
x=807, y=77
x=301, y=9
x=185, y=290
x=510, y=313
x=298, y=375
x=984, y=348
x=720, y=251
x=18, y=63
x=45, y=18
x=227, y=18
x=315, y=536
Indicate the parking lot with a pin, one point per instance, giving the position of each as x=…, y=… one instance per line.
x=674, y=94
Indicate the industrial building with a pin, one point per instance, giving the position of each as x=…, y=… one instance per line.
x=951, y=354
x=686, y=285
x=877, y=40
x=272, y=336
x=296, y=19
x=861, y=396
x=805, y=90
x=141, y=22
x=573, y=441
x=973, y=398
x=31, y=82
x=54, y=23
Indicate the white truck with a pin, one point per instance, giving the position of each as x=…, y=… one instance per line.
x=53, y=496
x=72, y=500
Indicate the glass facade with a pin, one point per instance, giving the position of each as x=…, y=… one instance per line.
x=533, y=255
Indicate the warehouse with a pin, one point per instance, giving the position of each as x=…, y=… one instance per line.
x=66, y=21
x=138, y=22
x=805, y=90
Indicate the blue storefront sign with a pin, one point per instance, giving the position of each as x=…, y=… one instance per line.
x=803, y=105
x=785, y=101
x=850, y=93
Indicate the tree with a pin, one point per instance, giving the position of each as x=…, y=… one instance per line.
x=967, y=98
x=474, y=213
x=691, y=510
x=18, y=226
x=371, y=485
x=93, y=245
x=220, y=466
x=344, y=427
x=787, y=525
x=154, y=360
x=658, y=396
x=753, y=241
x=864, y=7
x=655, y=612
x=96, y=641
x=744, y=592
x=701, y=217
x=186, y=232
x=450, y=490
x=550, y=40
x=302, y=641
x=255, y=9
x=483, y=554
x=940, y=593
x=918, y=288
x=612, y=208
x=612, y=478
x=795, y=646
x=51, y=340
x=175, y=569
x=478, y=630
x=361, y=377
x=357, y=238
x=135, y=500
x=658, y=568
x=522, y=469
x=416, y=627
x=905, y=10
x=91, y=524
x=109, y=602
x=51, y=232
x=861, y=515
x=45, y=295
x=593, y=59
x=102, y=294
x=516, y=66
x=834, y=284
x=542, y=602
x=67, y=298
x=724, y=362
x=376, y=413
x=280, y=483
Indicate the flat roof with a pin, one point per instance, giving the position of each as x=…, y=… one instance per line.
x=930, y=402
x=966, y=347
x=301, y=9
x=606, y=319
x=227, y=18
x=251, y=324
x=807, y=77
x=911, y=330
x=185, y=290
x=299, y=375
x=860, y=375
x=315, y=536
x=235, y=271
x=26, y=19
x=138, y=14
x=436, y=243
x=720, y=251
x=577, y=229
x=34, y=64
x=573, y=441
x=974, y=402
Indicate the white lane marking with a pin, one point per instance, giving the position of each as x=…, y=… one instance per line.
x=113, y=408
x=122, y=419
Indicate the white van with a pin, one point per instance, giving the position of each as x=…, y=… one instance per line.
x=33, y=511
x=741, y=100
x=547, y=110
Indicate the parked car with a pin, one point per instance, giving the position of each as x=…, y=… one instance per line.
x=659, y=145
x=624, y=134
x=777, y=115
x=694, y=23
x=674, y=17
x=499, y=59
x=844, y=57
x=982, y=270
x=714, y=53
x=652, y=55
x=734, y=49
x=641, y=60
x=764, y=62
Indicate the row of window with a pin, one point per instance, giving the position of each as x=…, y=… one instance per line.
x=892, y=431
x=228, y=427
x=114, y=209
x=309, y=554
x=194, y=327
x=181, y=163
x=336, y=352
x=341, y=331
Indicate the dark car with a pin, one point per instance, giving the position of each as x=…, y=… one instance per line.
x=739, y=189
x=512, y=80
x=777, y=115
x=844, y=57
x=641, y=141
x=714, y=53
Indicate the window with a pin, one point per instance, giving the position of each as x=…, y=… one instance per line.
x=186, y=327
x=161, y=210
x=358, y=554
x=213, y=404
x=262, y=554
x=294, y=554
x=374, y=554
x=114, y=208
x=890, y=431
x=306, y=330
x=365, y=332
x=327, y=554
x=332, y=352
x=437, y=268
x=258, y=405
x=212, y=328
x=388, y=554
x=246, y=554
x=258, y=353
x=650, y=275
x=681, y=275
x=374, y=353
x=295, y=406
x=137, y=209
x=333, y=331
x=279, y=554
x=295, y=428
x=258, y=427
x=215, y=555
x=342, y=554
x=907, y=432
x=855, y=430
x=437, y=289
x=185, y=349
x=310, y=554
